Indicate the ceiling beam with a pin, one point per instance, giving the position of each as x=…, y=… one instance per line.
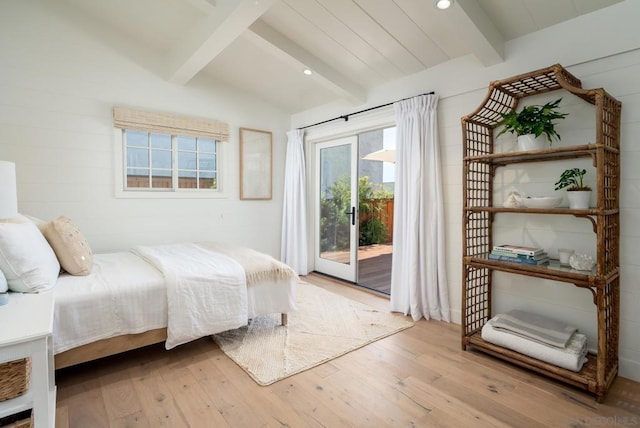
x=474, y=26
x=205, y=6
x=265, y=36
x=227, y=21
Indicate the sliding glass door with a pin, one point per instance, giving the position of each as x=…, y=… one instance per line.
x=376, y=178
x=336, y=199
x=354, y=188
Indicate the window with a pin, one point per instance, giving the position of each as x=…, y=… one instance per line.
x=169, y=162
x=165, y=154
x=197, y=163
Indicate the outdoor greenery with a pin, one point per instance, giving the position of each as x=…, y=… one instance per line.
x=335, y=222
x=533, y=119
x=373, y=229
x=573, y=179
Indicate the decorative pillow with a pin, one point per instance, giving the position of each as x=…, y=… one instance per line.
x=70, y=246
x=26, y=259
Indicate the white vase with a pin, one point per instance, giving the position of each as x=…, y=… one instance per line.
x=579, y=199
x=530, y=142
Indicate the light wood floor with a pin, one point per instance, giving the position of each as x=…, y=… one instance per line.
x=417, y=378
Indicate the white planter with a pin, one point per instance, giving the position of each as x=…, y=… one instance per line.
x=579, y=199
x=529, y=142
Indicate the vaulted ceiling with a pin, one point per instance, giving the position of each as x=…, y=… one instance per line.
x=351, y=46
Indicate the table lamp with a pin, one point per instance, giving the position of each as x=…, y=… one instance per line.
x=8, y=209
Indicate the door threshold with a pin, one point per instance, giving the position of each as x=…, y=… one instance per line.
x=354, y=285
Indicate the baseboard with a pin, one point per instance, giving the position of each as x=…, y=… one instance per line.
x=456, y=316
x=629, y=369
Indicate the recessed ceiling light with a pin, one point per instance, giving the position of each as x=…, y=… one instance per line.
x=442, y=4
x=307, y=71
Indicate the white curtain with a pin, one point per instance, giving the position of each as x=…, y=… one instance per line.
x=293, y=248
x=418, y=276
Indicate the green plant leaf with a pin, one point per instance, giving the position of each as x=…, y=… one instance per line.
x=573, y=179
x=533, y=119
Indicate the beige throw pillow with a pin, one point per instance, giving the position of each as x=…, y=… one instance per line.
x=70, y=246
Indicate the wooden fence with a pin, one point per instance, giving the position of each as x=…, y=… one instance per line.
x=139, y=181
x=383, y=209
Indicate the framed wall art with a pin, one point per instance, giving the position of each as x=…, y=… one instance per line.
x=255, y=164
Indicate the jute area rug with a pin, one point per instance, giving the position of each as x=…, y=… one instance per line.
x=324, y=327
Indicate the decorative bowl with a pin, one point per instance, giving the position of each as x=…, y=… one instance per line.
x=540, y=201
x=581, y=262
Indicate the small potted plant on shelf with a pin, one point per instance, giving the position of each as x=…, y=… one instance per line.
x=577, y=192
x=531, y=122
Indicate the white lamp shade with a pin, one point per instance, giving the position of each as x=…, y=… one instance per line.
x=8, y=193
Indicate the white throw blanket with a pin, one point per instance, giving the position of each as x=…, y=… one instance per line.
x=571, y=358
x=535, y=327
x=206, y=291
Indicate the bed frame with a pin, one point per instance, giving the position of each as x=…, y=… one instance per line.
x=116, y=345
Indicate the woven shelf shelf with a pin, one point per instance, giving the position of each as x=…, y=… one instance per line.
x=582, y=379
x=553, y=271
x=561, y=153
x=589, y=212
x=479, y=167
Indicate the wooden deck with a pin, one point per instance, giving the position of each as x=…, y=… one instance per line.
x=374, y=267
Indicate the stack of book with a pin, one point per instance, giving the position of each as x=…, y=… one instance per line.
x=518, y=254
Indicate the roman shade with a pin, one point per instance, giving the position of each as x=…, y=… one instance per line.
x=167, y=123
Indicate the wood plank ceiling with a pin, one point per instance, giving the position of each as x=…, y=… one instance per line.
x=352, y=46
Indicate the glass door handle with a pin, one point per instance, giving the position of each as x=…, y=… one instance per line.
x=352, y=213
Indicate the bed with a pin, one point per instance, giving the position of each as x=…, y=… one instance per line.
x=110, y=303
x=123, y=303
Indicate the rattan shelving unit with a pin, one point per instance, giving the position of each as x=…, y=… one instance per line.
x=479, y=167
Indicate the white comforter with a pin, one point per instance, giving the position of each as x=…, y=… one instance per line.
x=125, y=294
x=206, y=290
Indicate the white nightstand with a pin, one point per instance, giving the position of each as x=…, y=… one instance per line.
x=25, y=331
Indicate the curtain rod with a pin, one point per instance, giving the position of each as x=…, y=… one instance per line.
x=346, y=116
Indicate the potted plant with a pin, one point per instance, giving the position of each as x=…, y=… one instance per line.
x=577, y=192
x=531, y=122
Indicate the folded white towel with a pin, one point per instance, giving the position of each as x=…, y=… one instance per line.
x=572, y=357
x=535, y=327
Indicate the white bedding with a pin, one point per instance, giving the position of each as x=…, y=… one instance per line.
x=124, y=294
x=206, y=290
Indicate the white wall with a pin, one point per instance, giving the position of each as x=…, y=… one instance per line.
x=58, y=84
x=602, y=50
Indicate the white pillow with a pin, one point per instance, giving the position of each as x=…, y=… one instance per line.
x=26, y=259
x=3, y=283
